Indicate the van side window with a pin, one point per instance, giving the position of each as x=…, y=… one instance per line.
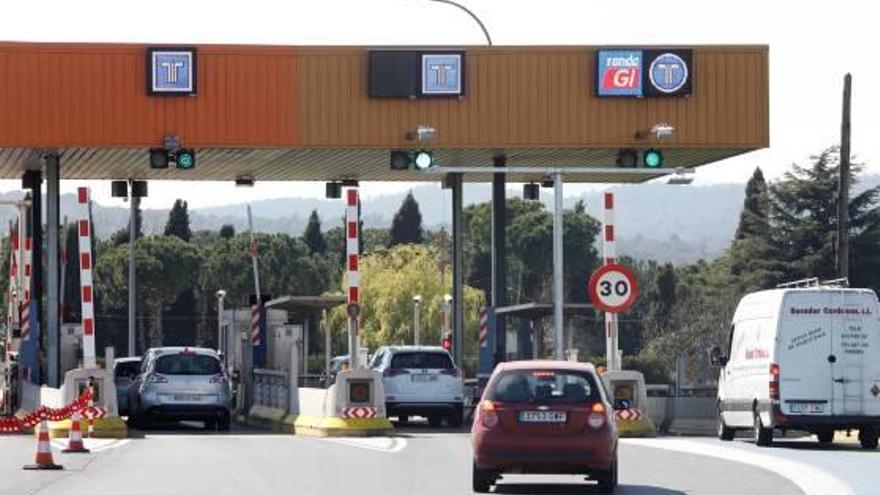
x=730, y=340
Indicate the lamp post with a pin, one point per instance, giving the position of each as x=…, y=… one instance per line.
x=417, y=301
x=132, y=190
x=221, y=295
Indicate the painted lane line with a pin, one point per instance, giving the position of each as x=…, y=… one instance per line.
x=380, y=444
x=810, y=479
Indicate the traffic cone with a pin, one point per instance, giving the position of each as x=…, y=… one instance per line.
x=75, y=442
x=44, y=450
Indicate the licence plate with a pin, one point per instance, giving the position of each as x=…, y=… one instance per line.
x=543, y=416
x=807, y=408
x=424, y=378
x=187, y=398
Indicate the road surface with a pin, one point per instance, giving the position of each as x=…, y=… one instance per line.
x=419, y=460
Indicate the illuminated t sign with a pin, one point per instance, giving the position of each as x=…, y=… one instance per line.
x=171, y=71
x=442, y=74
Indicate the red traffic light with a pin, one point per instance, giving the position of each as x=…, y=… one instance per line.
x=446, y=343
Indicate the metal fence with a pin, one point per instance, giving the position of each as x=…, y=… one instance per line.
x=271, y=388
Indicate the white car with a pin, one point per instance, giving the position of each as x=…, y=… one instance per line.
x=421, y=381
x=802, y=359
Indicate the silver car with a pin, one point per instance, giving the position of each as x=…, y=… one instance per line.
x=181, y=383
x=124, y=372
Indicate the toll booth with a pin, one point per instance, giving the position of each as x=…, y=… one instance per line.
x=71, y=346
x=525, y=339
x=237, y=323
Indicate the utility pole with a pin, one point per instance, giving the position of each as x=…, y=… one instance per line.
x=132, y=273
x=843, y=184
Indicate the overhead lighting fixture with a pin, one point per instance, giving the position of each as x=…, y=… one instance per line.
x=159, y=158
x=662, y=130
x=119, y=189
x=399, y=160
x=333, y=190
x=139, y=189
x=531, y=192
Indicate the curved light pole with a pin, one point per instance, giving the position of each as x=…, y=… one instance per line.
x=473, y=16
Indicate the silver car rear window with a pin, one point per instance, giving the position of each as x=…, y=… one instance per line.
x=187, y=364
x=422, y=360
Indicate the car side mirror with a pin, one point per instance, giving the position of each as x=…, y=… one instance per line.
x=717, y=357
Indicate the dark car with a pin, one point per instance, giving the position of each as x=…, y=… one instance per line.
x=547, y=417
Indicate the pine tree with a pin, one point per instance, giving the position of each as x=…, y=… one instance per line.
x=227, y=231
x=178, y=221
x=312, y=235
x=754, y=257
x=406, y=228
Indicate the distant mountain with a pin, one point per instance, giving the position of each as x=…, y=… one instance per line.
x=653, y=221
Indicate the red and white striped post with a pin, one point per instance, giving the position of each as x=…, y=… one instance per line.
x=87, y=291
x=352, y=245
x=25, y=313
x=611, y=325
x=11, y=306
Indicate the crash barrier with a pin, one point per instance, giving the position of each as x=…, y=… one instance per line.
x=104, y=419
x=15, y=424
x=353, y=406
x=629, y=397
x=271, y=397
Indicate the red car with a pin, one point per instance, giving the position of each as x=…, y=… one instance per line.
x=548, y=417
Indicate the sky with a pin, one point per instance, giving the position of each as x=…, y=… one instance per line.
x=812, y=45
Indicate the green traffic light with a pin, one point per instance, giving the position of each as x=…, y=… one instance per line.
x=423, y=160
x=186, y=159
x=653, y=159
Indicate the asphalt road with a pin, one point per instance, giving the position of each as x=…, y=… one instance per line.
x=419, y=461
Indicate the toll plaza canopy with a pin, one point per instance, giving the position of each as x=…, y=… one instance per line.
x=331, y=113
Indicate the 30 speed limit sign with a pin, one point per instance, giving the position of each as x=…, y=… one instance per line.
x=613, y=289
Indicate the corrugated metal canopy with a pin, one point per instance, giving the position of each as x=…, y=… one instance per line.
x=334, y=164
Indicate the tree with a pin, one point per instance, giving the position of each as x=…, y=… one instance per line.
x=312, y=235
x=122, y=235
x=227, y=231
x=406, y=227
x=754, y=256
x=178, y=221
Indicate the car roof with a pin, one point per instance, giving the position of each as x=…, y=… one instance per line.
x=545, y=364
x=204, y=351
x=134, y=359
x=417, y=348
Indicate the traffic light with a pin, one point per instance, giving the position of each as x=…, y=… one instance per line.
x=411, y=160
x=627, y=158
x=185, y=159
x=652, y=158
x=446, y=342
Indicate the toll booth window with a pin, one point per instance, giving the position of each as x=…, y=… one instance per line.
x=422, y=360
x=188, y=364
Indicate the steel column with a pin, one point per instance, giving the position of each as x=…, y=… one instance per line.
x=132, y=272
x=457, y=270
x=53, y=328
x=499, y=257
x=557, y=268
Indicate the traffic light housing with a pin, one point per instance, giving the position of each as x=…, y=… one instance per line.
x=652, y=158
x=185, y=159
x=630, y=158
x=412, y=160
x=446, y=341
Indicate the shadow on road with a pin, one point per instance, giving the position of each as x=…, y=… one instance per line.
x=554, y=489
x=809, y=444
x=416, y=427
x=172, y=428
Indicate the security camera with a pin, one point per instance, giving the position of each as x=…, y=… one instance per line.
x=662, y=130
x=417, y=299
x=422, y=134
x=221, y=293
x=447, y=298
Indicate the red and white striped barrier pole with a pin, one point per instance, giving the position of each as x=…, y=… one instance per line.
x=610, y=254
x=484, y=327
x=87, y=291
x=25, y=304
x=11, y=306
x=352, y=261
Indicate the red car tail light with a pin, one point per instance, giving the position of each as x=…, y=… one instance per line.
x=488, y=414
x=597, y=416
x=774, y=381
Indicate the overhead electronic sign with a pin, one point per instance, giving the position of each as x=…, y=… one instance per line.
x=416, y=74
x=637, y=73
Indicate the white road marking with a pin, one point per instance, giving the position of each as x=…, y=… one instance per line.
x=810, y=479
x=382, y=444
x=93, y=444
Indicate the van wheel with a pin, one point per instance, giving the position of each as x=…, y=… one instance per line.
x=825, y=436
x=868, y=438
x=763, y=436
x=725, y=433
x=482, y=480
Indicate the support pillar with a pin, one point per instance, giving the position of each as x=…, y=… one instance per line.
x=558, y=353
x=457, y=269
x=499, y=257
x=132, y=273
x=53, y=311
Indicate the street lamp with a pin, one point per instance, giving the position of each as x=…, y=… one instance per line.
x=417, y=301
x=221, y=295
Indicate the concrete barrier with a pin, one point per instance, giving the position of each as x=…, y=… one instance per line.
x=353, y=406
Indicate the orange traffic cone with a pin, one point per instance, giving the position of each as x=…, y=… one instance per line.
x=75, y=442
x=44, y=450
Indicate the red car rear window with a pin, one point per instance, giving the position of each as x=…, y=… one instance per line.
x=545, y=386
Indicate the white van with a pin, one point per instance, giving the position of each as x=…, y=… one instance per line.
x=802, y=359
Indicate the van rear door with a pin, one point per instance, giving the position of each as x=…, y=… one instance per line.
x=855, y=353
x=803, y=347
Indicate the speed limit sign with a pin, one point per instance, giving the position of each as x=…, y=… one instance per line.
x=613, y=288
